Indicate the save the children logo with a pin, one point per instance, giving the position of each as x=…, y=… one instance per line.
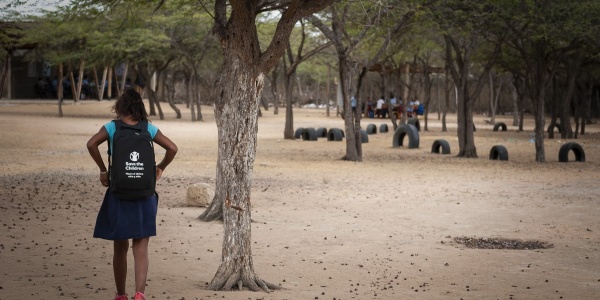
x=135, y=165
x=134, y=156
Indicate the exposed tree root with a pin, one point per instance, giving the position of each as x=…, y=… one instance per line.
x=250, y=281
x=212, y=213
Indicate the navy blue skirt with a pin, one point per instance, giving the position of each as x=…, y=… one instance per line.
x=122, y=220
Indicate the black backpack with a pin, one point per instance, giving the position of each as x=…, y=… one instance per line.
x=132, y=170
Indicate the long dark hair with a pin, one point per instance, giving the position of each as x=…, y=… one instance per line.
x=130, y=104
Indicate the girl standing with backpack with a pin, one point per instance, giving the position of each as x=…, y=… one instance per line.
x=135, y=218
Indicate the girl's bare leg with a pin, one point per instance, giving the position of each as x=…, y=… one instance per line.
x=120, y=264
x=140, y=256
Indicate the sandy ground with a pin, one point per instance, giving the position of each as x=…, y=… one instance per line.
x=324, y=228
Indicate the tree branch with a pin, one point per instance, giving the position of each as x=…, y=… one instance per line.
x=294, y=12
x=220, y=28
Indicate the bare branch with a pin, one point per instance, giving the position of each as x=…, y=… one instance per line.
x=294, y=12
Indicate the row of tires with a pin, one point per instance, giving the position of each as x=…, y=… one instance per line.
x=500, y=152
x=499, y=126
x=337, y=135
x=440, y=146
x=502, y=127
x=332, y=135
x=383, y=128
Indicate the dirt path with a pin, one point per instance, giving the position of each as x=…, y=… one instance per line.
x=324, y=228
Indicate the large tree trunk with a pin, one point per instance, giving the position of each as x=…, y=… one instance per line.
x=464, y=116
x=80, y=81
x=60, y=90
x=288, y=131
x=447, y=88
x=153, y=99
x=189, y=90
x=555, y=104
x=100, y=86
x=73, y=87
x=5, y=68
x=168, y=92
x=116, y=79
x=406, y=92
x=273, y=86
x=438, y=101
x=573, y=65
x=327, y=98
x=236, y=95
x=458, y=59
x=236, y=112
x=124, y=79
x=586, y=105
x=537, y=82
x=197, y=99
x=427, y=91
x=109, y=84
x=146, y=75
x=459, y=68
x=515, y=98
x=353, y=139
x=491, y=98
x=540, y=154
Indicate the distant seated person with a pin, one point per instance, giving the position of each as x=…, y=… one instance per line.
x=381, y=108
x=420, y=110
x=409, y=108
x=416, y=104
x=369, y=112
x=397, y=106
x=393, y=103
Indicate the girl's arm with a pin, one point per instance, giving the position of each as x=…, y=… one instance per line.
x=171, y=148
x=100, y=137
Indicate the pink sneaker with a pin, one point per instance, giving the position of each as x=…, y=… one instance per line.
x=139, y=296
x=121, y=297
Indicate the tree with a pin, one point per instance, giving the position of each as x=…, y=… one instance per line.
x=464, y=25
x=291, y=64
x=347, y=33
x=237, y=93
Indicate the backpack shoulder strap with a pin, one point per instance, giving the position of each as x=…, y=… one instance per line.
x=109, y=148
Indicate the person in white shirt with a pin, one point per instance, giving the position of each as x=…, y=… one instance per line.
x=379, y=108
